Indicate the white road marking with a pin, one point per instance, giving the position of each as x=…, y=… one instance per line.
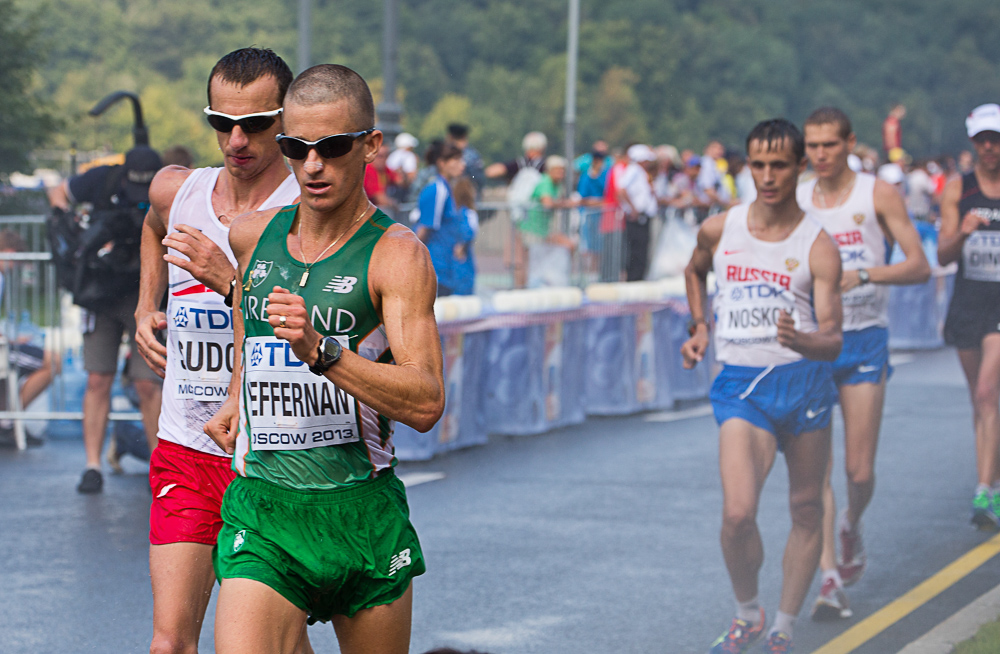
x=412, y=479
x=683, y=414
x=510, y=635
x=901, y=358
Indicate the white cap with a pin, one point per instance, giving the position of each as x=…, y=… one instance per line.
x=640, y=153
x=406, y=140
x=891, y=173
x=984, y=118
x=854, y=163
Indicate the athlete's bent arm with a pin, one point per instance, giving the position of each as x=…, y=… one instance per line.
x=695, y=278
x=823, y=344
x=954, y=228
x=153, y=269
x=244, y=233
x=403, y=286
x=895, y=222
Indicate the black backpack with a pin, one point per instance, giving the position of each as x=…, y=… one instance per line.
x=96, y=257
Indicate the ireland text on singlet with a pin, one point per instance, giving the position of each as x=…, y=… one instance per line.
x=299, y=430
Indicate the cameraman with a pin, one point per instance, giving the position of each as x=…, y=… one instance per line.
x=123, y=189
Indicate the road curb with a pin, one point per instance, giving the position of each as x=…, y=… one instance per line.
x=959, y=627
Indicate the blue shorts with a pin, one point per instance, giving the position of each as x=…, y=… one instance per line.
x=864, y=357
x=785, y=400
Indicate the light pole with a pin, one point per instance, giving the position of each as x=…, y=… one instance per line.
x=305, y=34
x=572, y=51
x=389, y=111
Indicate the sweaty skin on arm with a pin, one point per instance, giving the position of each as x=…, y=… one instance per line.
x=153, y=269
x=244, y=232
x=695, y=275
x=402, y=285
x=954, y=228
x=823, y=344
x=897, y=227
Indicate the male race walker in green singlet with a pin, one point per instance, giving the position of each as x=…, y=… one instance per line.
x=340, y=340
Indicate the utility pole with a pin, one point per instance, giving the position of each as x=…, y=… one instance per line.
x=389, y=111
x=305, y=34
x=572, y=51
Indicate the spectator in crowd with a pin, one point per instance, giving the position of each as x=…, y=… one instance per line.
x=590, y=188
x=612, y=222
x=537, y=227
x=892, y=173
x=32, y=363
x=965, y=162
x=709, y=178
x=458, y=135
x=381, y=183
x=582, y=163
x=746, y=192
x=103, y=330
x=689, y=195
x=464, y=192
x=668, y=161
x=892, y=132
x=178, y=155
x=403, y=161
x=635, y=195
x=533, y=145
x=440, y=224
x=920, y=192
x=426, y=174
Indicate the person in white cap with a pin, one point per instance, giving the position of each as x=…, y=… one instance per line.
x=403, y=160
x=970, y=235
x=637, y=200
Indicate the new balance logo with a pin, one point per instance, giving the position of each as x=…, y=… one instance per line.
x=399, y=561
x=341, y=284
x=810, y=414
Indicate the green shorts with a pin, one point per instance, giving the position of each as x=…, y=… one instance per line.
x=328, y=552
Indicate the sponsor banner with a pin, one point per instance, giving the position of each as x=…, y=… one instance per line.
x=290, y=408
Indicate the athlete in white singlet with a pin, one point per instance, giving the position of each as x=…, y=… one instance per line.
x=865, y=216
x=186, y=253
x=778, y=325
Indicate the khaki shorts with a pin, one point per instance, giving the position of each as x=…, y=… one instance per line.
x=103, y=336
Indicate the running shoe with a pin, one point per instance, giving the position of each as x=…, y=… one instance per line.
x=984, y=515
x=778, y=643
x=91, y=482
x=831, y=603
x=740, y=637
x=851, y=560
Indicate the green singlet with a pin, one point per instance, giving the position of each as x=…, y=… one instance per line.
x=299, y=430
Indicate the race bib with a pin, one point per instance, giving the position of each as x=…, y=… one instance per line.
x=863, y=304
x=200, y=350
x=749, y=313
x=290, y=408
x=981, y=256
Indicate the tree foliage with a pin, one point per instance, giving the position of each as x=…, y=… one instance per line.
x=24, y=121
x=665, y=71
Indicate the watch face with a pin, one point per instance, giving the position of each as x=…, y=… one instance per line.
x=331, y=349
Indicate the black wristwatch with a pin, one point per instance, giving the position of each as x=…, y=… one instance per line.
x=863, y=276
x=328, y=353
x=229, y=296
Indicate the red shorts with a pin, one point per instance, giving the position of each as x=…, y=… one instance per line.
x=187, y=488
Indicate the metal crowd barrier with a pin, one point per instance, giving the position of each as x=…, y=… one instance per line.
x=35, y=310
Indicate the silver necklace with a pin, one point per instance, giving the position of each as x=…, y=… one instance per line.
x=840, y=196
x=305, y=275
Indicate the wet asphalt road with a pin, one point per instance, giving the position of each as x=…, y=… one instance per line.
x=597, y=538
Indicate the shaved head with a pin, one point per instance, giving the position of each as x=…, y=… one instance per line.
x=333, y=83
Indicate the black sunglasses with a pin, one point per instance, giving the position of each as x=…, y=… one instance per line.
x=249, y=123
x=328, y=147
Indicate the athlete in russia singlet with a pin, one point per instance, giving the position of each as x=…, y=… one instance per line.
x=299, y=430
x=855, y=228
x=757, y=280
x=199, y=324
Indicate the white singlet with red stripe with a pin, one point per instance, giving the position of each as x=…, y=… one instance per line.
x=855, y=228
x=199, y=324
x=757, y=280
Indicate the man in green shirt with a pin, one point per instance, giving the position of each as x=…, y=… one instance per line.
x=340, y=340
